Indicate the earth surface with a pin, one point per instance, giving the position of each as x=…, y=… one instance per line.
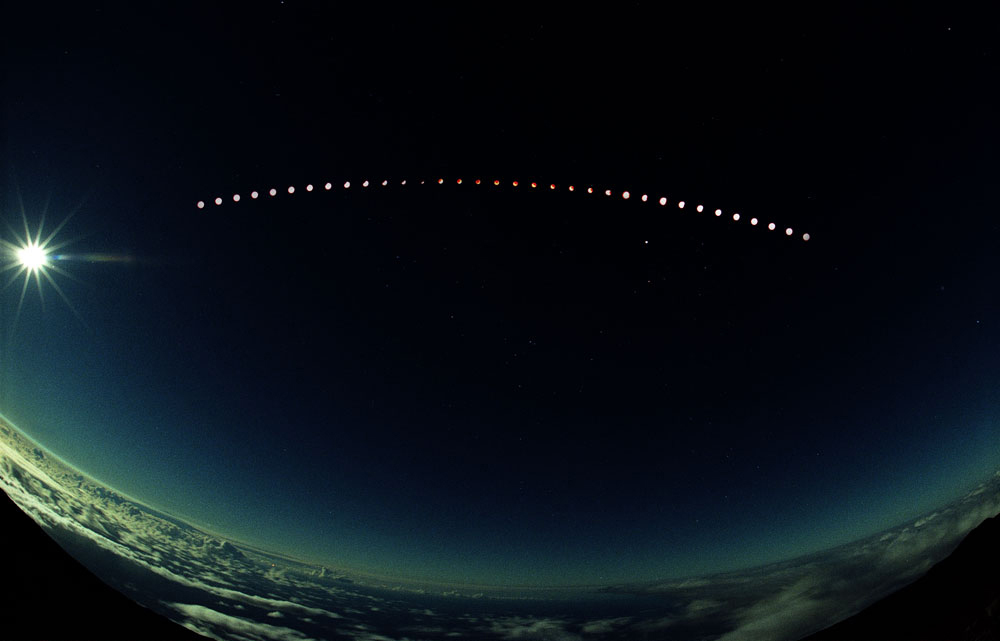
x=224, y=589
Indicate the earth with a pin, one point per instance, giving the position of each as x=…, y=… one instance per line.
x=225, y=589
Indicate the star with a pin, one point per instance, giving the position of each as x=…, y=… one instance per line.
x=31, y=256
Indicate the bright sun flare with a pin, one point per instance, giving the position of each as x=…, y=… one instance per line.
x=32, y=257
x=29, y=258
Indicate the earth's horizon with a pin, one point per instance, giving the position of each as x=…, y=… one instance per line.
x=225, y=589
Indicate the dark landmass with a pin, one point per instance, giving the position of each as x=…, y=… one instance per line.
x=49, y=595
x=958, y=599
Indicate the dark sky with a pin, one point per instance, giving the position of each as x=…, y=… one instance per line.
x=510, y=385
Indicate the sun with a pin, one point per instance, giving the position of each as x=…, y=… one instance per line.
x=30, y=258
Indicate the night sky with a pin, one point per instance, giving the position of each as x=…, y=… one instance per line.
x=494, y=384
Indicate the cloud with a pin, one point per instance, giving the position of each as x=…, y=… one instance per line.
x=791, y=613
x=533, y=629
x=604, y=626
x=206, y=620
x=265, y=602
